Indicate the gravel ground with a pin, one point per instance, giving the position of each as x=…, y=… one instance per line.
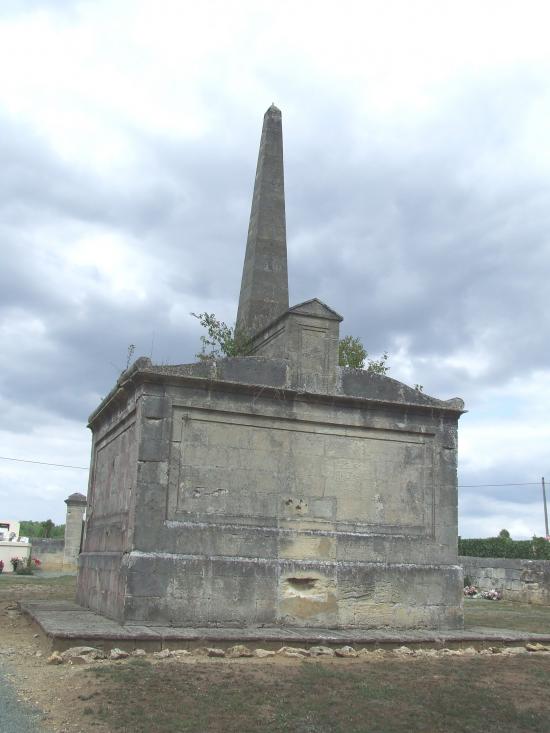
x=17, y=716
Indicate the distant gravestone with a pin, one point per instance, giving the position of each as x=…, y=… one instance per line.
x=276, y=488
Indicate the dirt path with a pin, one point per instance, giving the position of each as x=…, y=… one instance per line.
x=37, y=696
x=16, y=714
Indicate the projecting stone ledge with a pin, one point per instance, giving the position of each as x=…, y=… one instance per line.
x=275, y=373
x=67, y=624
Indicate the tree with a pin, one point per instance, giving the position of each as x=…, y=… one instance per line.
x=223, y=340
x=504, y=534
x=352, y=354
x=47, y=527
x=29, y=528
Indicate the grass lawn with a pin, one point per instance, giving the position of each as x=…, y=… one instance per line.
x=507, y=615
x=475, y=695
x=443, y=695
x=18, y=587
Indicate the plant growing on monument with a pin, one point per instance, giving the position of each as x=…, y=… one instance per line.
x=131, y=349
x=222, y=340
x=352, y=354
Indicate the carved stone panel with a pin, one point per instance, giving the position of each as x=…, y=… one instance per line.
x=251, y=468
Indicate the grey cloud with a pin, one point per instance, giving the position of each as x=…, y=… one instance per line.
x=401, y=246
x=403, y=240
x=415, y=247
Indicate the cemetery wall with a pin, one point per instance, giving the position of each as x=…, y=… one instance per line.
x=50, y=553
x=527, y=581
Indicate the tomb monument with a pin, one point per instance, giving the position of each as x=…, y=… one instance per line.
x=274, y=489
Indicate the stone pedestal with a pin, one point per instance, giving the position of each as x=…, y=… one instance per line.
x=76, y=506
x=221, y=495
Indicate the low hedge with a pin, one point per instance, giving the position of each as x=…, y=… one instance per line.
x=536, y=549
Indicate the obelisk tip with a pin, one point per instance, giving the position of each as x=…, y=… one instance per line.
x=273, y=110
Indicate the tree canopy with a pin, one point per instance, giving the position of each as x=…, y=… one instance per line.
x=48, y=528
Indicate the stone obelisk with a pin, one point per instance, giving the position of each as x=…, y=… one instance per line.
x=264, y=285
x=274, y=489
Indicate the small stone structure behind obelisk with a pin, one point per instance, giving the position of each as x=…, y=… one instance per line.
x=276, y=488
x=76, y=506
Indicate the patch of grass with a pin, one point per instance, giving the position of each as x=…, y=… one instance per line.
x=506, y=615
x=469, y=695
x=119, y=672
x=20, y=587
x=14, y=579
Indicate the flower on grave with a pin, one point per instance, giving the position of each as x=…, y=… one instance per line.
x=492, y=595
x=36, y=561
x=15, y=562
x=1, y=565
x=470, y=591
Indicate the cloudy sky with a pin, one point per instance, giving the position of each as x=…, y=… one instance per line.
x=417, y=164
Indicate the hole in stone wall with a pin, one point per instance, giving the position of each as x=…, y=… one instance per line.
x=302, y=583
x=298, y=506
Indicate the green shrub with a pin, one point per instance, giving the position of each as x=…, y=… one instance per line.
x=31, y=529
x=24, y=570
x=25, y=567
x=536, y=549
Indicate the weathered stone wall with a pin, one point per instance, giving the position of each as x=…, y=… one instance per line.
x=101, y=582
x=262, y=505
x=50, y=553
x=112, y=484
x=527, y=581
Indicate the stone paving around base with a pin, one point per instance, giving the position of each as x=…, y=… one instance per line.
x=67, y=624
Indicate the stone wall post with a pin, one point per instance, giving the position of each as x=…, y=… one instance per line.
x=76, y=505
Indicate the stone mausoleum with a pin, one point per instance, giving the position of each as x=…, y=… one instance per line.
x=276, y=488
